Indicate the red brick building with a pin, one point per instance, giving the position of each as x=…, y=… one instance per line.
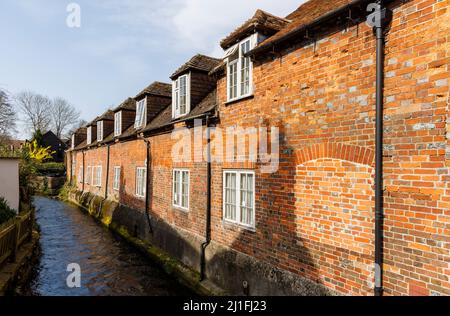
x=307, y=226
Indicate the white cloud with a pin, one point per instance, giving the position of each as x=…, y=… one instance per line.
x=189, y=26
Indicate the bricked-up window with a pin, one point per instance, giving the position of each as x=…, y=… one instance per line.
x=141, y=113
x=89, y=135
x=97, y=176
x=141, y=177
x=239, y=197
x=181, y=188
x=88, y=175
x=181, y=100
x=99, y=131
x=239, y=69
x=118, y=123
x=116, y=182
x=74, y=166
x=80, y=175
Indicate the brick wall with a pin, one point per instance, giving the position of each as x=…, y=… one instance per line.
x=315, y=215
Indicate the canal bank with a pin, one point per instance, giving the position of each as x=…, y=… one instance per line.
x=139, y=232
x=109, y=266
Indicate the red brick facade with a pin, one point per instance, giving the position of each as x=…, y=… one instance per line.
x=315, y=215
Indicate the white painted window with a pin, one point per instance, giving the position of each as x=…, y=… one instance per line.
x=141, y=178
x=89, y=135
x=88, y=175
x=181, y=188
x=116, y=182
x=141, y=113
x=240, y=69
x=118, y=123
x=97, y=176
x=239, y=197
x=80, y=175
x=99, y=131
x=181, y=96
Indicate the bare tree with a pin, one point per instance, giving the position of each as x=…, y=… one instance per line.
x=7, y=116
x=36, y=110
x=64, y=116
x=75, y=127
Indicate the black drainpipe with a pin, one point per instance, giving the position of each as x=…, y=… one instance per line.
x=379, y=19
x=208, y=204
x=147, y=184
x=84, y=171
x=107, y=171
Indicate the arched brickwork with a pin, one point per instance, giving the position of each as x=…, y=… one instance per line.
x=352, y=153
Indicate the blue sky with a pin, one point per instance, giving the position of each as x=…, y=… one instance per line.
x=121, y=47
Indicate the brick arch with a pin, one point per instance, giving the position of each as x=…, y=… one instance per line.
x=348, y=152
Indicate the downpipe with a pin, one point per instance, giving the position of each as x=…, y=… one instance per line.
x=107, y=169
x=208, y=204
x=379, y=19
x=147, y=181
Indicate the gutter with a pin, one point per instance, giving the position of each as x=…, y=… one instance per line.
x=330, y=16
x=208, y=204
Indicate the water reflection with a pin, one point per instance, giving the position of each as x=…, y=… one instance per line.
x=109, y=266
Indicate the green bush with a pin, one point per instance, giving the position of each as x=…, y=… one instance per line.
x=6, y=213
x=50, y=168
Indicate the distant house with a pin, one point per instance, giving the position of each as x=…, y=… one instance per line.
x=9, y=181
x=13, y=144
x=56, y=145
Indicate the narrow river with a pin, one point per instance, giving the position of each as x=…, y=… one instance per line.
x=109, y=266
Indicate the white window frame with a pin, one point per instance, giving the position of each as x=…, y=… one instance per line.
x=238, y=205
x=141, y=113
x=177, y=191
x=141, y=187
x=176, y=96
x=118, y=123
x=99, y=131
x=116, y=180
x=88, y=175
x=89, y=135
x=253, y=39
x=97, y=176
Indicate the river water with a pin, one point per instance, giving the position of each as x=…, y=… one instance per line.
x=109, y=266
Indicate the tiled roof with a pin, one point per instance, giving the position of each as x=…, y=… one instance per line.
x=157, y=88
x=261, y=21
x=305, y=14
x=128, y=104
x=107, y=116
x=198, y=62
x=208, y=104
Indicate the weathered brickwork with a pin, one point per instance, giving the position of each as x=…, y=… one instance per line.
x=315, y=215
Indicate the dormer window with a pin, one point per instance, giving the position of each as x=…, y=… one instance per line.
x=181, y=100
x=240, y=69
x=118, y=123
x=141, y=113
x=89, y=135
x=99, y=131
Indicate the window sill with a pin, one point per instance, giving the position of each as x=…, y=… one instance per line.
x=240, y=99
x=228, y=224
x=179, y=208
